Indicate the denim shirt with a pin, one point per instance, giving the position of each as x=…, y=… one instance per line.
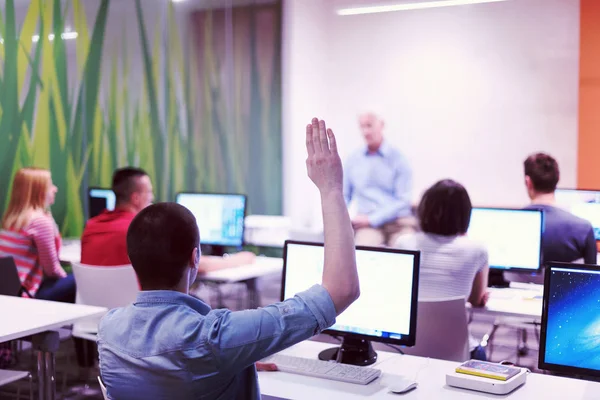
x=380, y=183
x=169, y=345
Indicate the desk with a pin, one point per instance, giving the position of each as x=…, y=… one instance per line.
x=431, y=378
x=70, y=251
x=520, y=300
x=247, y=274
x=23, y=317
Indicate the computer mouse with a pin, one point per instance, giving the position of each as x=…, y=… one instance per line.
x=403, y=386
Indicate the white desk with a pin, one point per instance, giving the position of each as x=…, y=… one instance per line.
x=247, y=274
x=70, y=251
x=23, y=317
x=520, y=300
x=431, y=378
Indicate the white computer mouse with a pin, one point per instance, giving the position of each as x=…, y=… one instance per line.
x=402, y=386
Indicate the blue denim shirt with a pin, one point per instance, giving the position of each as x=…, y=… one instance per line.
x=168, y=345
x=381, y=184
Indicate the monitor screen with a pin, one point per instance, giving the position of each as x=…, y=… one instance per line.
x=220, y=217
x=99, y=200
x=387, y=306
x=582, y=203
x=570, y=330
x=513, y=237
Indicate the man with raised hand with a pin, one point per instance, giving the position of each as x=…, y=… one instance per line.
x=170, y=345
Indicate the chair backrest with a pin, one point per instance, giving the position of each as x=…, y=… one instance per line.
x=109, y=287
x=103, y=389
x=10, y=284
x=442, y=330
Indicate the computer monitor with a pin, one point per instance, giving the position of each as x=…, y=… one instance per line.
x=582, y=203
x=100, y=199
x=220, y=218
x=513, y=237
x=569, y=340
x=386, y=310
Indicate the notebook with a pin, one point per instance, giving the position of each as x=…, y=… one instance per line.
x=488, y=370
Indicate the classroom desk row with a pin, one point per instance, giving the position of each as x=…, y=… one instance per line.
x=429, y=373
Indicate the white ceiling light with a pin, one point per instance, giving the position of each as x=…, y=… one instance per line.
x=410, y=6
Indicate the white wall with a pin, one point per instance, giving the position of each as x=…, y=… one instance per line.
x=466, y=92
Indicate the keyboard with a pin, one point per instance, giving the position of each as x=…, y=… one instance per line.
x=324, y=369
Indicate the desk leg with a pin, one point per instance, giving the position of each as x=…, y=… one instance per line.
x=253, y=295
x=46, y=345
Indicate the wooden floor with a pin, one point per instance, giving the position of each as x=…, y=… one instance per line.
x=70, y=387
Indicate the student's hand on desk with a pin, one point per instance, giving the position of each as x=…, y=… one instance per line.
x=242, y=258
x=260, y=366
x=360, y=221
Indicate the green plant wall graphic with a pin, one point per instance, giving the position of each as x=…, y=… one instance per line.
x=199, y=110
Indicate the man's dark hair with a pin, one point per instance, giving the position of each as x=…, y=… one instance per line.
x=160, y=241
x=124, y=182
x=543, y=171
x=445, y=209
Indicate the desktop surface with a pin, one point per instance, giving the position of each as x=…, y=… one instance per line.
x=220, y=217
x=570, y=340
x=512, y=237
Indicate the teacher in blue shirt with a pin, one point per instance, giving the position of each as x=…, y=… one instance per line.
x=378, y=179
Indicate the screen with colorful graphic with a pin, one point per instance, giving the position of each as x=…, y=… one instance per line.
x=220, y=217
x=571, y=324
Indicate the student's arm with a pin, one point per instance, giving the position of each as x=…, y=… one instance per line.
x=348, y=189
x=324, y=166
x=44, y=236
x=212, y=263
x=590, y=252
x=402, y=203
x=479, y=294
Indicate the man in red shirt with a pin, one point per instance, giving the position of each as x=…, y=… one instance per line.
x=104, y=240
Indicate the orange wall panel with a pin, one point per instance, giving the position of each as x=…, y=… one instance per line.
x=588, y=160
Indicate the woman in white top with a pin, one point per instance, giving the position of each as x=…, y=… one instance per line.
x=451, y=263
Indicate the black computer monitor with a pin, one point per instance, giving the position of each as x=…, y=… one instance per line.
x=513, y=237
x=220, y=218
x=582, y=203
x=386, y=310
x=570, y=330
x=100, y=199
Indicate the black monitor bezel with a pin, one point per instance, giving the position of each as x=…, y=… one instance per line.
x=542, y=225
x=89, y=196
x=542, y=364
x=408, y=340
x=243, y=242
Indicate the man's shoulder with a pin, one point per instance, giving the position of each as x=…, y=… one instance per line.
x=560, y=218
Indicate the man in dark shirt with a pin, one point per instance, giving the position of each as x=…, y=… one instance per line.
x=566, y=238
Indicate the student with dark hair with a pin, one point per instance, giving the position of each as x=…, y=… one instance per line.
x=566, y=237
x=170, y=345
x=451, y=263
x=104, y=238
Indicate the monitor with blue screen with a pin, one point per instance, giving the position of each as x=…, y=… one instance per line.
x=100, y=199
x=513, y=237
x=387, y=308
x=220, y=217
x=582, y=203
x=570, y=329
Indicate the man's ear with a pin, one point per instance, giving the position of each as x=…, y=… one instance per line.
x=195, y=259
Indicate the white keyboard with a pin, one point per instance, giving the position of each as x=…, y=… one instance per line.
x=324, y=369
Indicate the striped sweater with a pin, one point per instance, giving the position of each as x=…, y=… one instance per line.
x=35, y=251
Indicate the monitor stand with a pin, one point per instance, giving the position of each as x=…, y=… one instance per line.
x=352, y=351
x=496, y=279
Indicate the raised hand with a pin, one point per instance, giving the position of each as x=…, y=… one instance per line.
x=323, y=163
